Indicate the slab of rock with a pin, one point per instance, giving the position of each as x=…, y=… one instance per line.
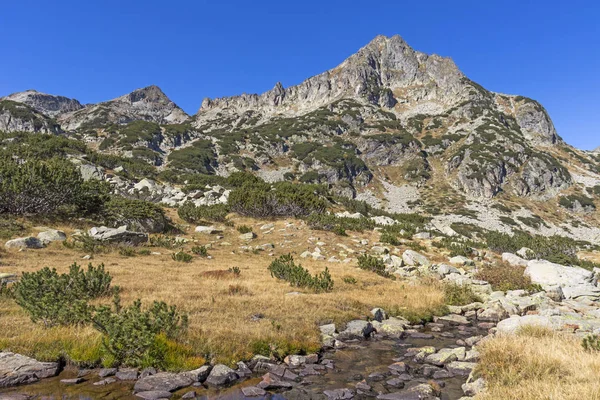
x=339, y=394
x=127, y=374
x=221, y=375
x=515, y=322
x=118, y=235
x=423, y=391
x=546, y=273
x=461, y=368
x=253, y=391
x=154, y=395
x=514, y=260
x=414, y=259
x=104, y=372
x=272, y=382
x=199, y=374
x=163, y=382
x=73, y=381
x=28, y=242
x=52, y=235
x=247, y=236
x=357, y=329
x=208, y=230
x=16, y=369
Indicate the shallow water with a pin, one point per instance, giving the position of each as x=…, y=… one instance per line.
x=352, y=364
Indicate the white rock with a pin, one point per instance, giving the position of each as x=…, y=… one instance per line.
x=514, y=260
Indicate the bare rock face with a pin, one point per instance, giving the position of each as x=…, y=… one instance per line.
x=147, y=104
x=46, y=104
x=19, y=117
x=16, y=369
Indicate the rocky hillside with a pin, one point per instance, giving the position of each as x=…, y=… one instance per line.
x=397, y=128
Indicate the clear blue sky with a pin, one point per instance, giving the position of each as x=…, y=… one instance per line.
x=97, y=50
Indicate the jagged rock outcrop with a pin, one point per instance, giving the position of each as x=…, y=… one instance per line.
x=46, y=104
x=19, y=117
x=147, y=104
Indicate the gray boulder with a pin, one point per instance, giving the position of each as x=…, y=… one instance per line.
x=414, y=259
x=514, y=260
x=118, y=235
x=164, y=382
x=28, y=242
x=16, y=369
x=52, y=235
x=221, y=375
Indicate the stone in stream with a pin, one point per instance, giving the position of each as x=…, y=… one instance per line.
x=73, y=381
x=420, y=335
x=106, y=381
x=163, y=382
x=189, y=395
x=272, y=382
x=357, y=329
x=127, y=374
x=147, y=372
x=199, y=374
x=221, y=375
x=454, y=319
x=363, y=386
x=154, y=395
x=242, y=370
x=461, y=368
x=474, y=388
x=104, y=372
x=423, y=391
x=396, y=382
x=398, y=368
x=253, y=391
x=441, y=358
x=339, y=394
x=16, y=369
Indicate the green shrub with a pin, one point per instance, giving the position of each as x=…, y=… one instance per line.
x=338, y=225
x=350, y=280
x=38, y=186
x=182, y=256
x=200, y=251
x=373, y=264
x=244, y=229
x=284, y=199
x=235, y=270
x=506, y=277
x=284, y=268
x=167, y=242
x=138, y=215
x=459, y=295
x=591, y=343
x=389, y=238
x=127, y=251
x=132, y=336
x=61, y=299
x=570, y=201
x=199, y=157
x=195, y=214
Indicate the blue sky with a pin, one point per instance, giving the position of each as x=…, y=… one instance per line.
x=98, y=50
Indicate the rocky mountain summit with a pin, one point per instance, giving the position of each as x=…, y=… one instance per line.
x=400, y=129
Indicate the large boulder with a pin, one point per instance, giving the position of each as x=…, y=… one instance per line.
x=28, y=242
x=118, y=235
x=16, y=369
x=164, y=382
x=412, y=258
x=221, y=375
x=575, y=281
x=52, y=235
x=514, y=260
x=515, y=322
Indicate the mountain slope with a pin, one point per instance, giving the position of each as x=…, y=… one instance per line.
x=47, y=104
x=147, y=104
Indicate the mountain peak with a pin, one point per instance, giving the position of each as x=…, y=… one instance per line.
x=44, y=103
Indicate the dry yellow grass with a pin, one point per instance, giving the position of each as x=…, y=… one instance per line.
x=539, y=364
x=221, y=325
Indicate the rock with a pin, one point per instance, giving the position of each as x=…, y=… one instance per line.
x=73, y=381
x=383, y=220
x=474, y=388
x=339, y=394
x=398, y=368
x=221, y=375
x=266, y=227
x=513, y=260
x=391, y=326
x=328, y=329
x=412, y=258
x=272, y=382
x=441, y=358
x=118, y=235
x=247, y=236
x=164, y=382
x=103, y=382
x=493, y=313
x=104, y=372
x=546, y=273
x=16, y=369
x=154, y=395
x=454, y=319
x=189, y=395
x=127, y=374
x=555, y=293
x=208, y=230
x=52, y=235
x=423, y=391
x=253, y=391
x=421, y=235
x=461, y=368
x=357, y=329
x=512, y=324
x=460, y=260
x=28, y=242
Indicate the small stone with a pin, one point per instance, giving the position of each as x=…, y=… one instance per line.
x=339, y=394
x=253, y=391
x=74, y=381
x=104, y=372
x=154, y=395
x=189, y=395
x=106, y=381
x=127, y=374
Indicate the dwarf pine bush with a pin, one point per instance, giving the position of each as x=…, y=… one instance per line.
x=284, y=268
